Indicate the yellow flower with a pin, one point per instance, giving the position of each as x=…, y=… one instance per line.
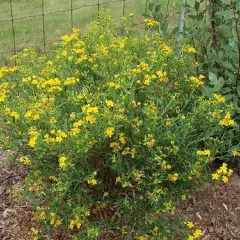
x=92, y=181
x=78, y=224
x=52, y=120
x=73, y=115
x=156, y=229
x=78, y=124
x=42, y=215
x=184, y=197
x=147, y=81
x=36, y=116
x=109, y=131
x=235, y=153
x=190, y=225
x=191, y=50
x=222, y=169
x=215, y=176
x=190, y=237
x=196, y=82
x=197, y=233
x=227, y=121
x=72, y=223
x=91, y=119
x=121, y=138
x=59, y=139
x=218, y=98
x=87, y=213
x=225, y=179
x=25, y=160
x=75, y=131
x=15, y=115
x=204, y=153
x=229, y=173
x=173, y=177
x=110, y=103
x=168, y=123
x=32, y=142
x=58, y=222
x=62, y=161
x=118, y=179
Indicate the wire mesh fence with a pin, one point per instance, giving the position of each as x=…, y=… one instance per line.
x=39, y=23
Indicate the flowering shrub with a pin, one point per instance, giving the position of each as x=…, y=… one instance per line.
x=113, y=131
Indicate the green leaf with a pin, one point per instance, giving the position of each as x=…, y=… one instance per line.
x=227, y=14
x=213, y=78
x=228, y=97
x=235, y=100
x=207, y=91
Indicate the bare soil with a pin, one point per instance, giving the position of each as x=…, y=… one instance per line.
x=216, y=209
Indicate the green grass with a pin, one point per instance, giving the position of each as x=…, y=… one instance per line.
x=29, y=31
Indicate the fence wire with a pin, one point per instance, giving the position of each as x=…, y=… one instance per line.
x=43, y=14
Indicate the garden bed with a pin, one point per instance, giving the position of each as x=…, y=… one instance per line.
x=216, y=209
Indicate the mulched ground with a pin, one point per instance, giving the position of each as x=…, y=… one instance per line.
x=216, y=209
x=15, y=215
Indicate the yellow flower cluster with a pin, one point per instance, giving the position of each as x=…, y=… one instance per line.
x=90, y=112
x=236, y=153
x=204, y=153
x=73, y=36
x=142, y=67
x=196, y=233
x=70, y=81
x=33, y=137
x=222, y=173
x=114, y=85
x=92, y=181
x=191, y=50
x=58, y=136
x=3, y=91
x=165, y=166
x=109, y=131
x=63, y=161
x=37, y=109
x=149, y=141
x=227, y=121
x=151, y=23
x=110, y=103
x=173, y=177
x=75, y=222
x=34, y=233
x=162, y=75
x=168, y=50
x=196, y=82
x=24, y=160
x=218, y=98
x=11, y=113
x=55, y=220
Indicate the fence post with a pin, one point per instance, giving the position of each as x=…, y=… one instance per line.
x=98, y=7
x=43, y=18
x=181, y=23
x=13, y=29
x=71, y=15
x=123, y=14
